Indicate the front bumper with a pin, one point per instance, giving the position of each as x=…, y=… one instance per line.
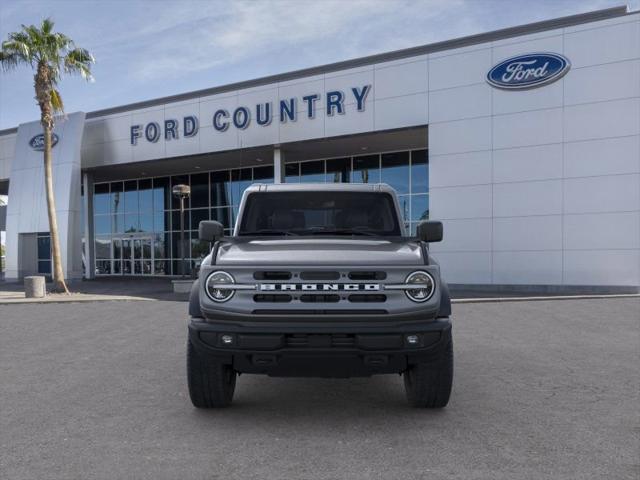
x=320, y=349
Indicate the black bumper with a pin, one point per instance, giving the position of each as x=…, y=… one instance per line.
x=320, y=349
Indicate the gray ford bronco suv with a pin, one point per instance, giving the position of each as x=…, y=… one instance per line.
x=320, y=280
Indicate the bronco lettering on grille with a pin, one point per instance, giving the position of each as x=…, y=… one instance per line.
x=313, y=287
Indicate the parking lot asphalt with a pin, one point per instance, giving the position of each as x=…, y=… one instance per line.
x=542, y=390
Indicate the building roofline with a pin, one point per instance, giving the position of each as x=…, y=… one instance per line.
x=494, y=35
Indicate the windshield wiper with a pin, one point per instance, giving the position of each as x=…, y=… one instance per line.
x=268, y=231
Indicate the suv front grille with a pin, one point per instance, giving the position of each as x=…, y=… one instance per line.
x=319, y=298
x=320, y=341
x=320, y=275
x=373, y=275
x=272, y=275
x=362, y=298
x=319, y=311
x=271, y=298
x=282, y=281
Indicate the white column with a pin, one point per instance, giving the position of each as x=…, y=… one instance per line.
x=278, y=166
x=89, y=261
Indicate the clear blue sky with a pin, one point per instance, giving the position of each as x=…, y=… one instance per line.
x=149, y=49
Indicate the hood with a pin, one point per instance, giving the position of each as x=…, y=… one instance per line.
x=325, y=251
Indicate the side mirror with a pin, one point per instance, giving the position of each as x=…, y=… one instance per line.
x=429, y=231
x=210, y=230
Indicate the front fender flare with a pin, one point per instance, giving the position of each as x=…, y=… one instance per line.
x=194, y=300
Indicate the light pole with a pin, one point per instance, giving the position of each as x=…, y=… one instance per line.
x=182, y=192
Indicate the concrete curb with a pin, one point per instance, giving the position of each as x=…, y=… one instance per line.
x=541, y=298
x=74, y=299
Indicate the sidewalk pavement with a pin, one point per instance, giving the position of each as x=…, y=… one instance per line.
x=103, y=289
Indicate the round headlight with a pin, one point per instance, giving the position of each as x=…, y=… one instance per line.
x=425, y=286
x=213, y=286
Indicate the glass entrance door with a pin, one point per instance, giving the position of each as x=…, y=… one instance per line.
x=132, y=256
x=142, y=261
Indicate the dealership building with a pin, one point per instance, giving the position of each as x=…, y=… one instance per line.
x=524, y=142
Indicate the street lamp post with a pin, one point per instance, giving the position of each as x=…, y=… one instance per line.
x=181, y=192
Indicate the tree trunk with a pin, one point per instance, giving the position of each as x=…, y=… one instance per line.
x=43, y=86
x=59, y=284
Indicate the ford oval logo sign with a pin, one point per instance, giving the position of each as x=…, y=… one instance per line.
x=37, y=142
x=528, y=71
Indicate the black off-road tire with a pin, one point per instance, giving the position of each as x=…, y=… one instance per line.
x=211, y=383
x=428, y=385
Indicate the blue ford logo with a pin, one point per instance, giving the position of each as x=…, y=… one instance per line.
x=37, y=142
x=528, y=71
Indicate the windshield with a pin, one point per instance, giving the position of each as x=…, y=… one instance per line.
x=319, y=213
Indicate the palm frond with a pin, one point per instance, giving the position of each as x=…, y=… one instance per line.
x=56, y=101
x=51, y=53
x=63, y=42
x=79, y=61
x=16, y=47
x=47, y=26
x=9, y=61
x=34, y=34
x=16, y=50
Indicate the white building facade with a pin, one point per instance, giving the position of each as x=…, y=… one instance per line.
x=524, y=142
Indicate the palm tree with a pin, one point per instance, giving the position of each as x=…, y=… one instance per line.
x=2, y=204
x=50, y=55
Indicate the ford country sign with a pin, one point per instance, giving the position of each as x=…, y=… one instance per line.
x=37, y=142
x=528, y=71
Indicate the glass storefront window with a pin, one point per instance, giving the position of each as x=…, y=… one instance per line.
x=103, y=267
x=117, y=248
x=103, y=247
x=404, y=202
x=117, y=223
x=175, y=245
x=131, y=223
x=160, y=222
x=338, y=170
x=44, y=252
x=419, y=207
x=160, y=243
x=395, y=171
x=144, y=210
x=161, y=194
x=419, y=171
x=145, y=195
x=312, y=172
x=222, y=215
x=220, y=188
x=198, y=215
x=102, y=224
x=175, y=220
x=292, y=173
x=131, y=203
x=366, y=169
x=44, y=247
x=241, y=179
x=146, y=222
x=162, y=267
x=117, y=192
x=44, y=266
x=200, y=190
x=101, y=199
x=263, y=174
